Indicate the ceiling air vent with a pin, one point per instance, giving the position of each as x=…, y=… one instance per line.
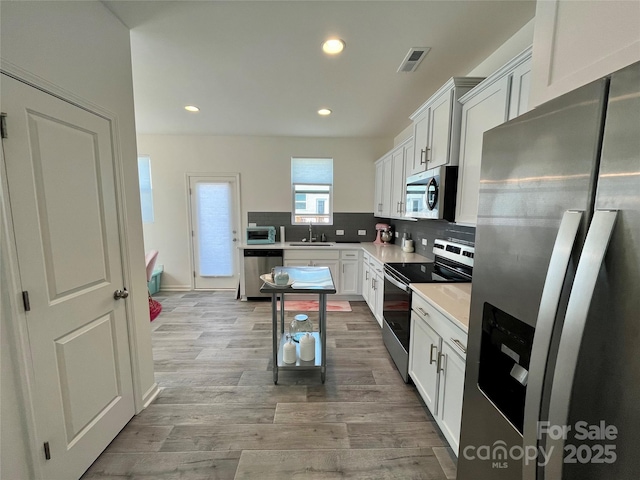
x=413, y=59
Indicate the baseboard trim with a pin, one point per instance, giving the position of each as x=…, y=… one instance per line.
x=150, y=396
x=176, y=288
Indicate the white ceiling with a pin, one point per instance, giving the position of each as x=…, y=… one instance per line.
x=256, y=67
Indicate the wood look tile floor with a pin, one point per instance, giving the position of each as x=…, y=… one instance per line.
x=219, y=415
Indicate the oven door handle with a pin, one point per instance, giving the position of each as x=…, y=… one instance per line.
x=396, y=282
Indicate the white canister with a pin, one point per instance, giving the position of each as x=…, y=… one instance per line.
x=282, y=234
x=289, y=352
x=408, y=246
x=307, y=347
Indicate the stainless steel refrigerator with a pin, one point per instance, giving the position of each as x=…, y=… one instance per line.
x=552, y=388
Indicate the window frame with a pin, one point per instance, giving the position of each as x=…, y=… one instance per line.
x=313, y=218
x=149, y=191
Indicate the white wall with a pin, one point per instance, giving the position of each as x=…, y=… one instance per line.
x=519, y=41
x=82, y=48
x=264, y=164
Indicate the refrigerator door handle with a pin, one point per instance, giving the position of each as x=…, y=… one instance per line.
x=556, y=273
x=591, y=259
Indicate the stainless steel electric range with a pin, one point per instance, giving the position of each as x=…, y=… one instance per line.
x=453, y=263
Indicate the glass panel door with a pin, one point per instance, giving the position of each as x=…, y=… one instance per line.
x=214, y=231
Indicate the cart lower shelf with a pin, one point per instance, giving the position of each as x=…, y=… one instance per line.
x=301, y=364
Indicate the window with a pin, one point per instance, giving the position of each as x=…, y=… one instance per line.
x=146, y=193
x=312, y=185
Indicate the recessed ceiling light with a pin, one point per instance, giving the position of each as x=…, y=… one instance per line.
x=191, y=108
x=333, y=46
x=324, y=111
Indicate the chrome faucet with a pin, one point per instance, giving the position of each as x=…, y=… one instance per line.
x=310, y=232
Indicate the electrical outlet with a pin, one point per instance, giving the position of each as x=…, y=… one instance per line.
x=396, y=234
x=253, y=224
x=362, y=232
x=424, y=242
x=339, y=232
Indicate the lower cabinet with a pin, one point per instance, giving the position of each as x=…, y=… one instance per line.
x=350, y=272
x=373, y=285
x=437, y=354
x=366, y=278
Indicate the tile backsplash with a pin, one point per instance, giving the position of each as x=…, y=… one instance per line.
x=352, y=222
x=349, y=222
x=431, y=230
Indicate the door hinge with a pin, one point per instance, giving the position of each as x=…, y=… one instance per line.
x=25, y=301
x=190, y=192
x=3, y=125
x=47, y=451
x=194, y=274
x=192, y=234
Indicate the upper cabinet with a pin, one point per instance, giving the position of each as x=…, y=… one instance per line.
x=502, y=96
x=391, y=181
x=436, y=127
x=382, y=201
x=578, y=42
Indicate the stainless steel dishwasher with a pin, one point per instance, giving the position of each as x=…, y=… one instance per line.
x=258, y=261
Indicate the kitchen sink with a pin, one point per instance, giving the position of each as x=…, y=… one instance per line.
x=311, y=244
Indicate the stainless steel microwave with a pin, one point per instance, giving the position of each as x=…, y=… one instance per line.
x=432, y=194
x=261, y=235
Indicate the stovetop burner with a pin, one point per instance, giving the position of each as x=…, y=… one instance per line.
x=428, y=272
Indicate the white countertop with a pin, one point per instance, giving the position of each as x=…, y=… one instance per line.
x=453, y=300
x=385, y=253
x=310, y=246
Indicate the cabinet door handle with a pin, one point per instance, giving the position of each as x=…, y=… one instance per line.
x=366, y=276
x=459, y=344
x=441, y=359
x=422, y=311
x=423, y=155
x=431, y=359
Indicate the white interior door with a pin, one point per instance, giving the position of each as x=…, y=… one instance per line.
x=60, y=172
x=215, y=220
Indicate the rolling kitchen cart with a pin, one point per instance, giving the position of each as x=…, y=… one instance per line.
x=314, y=280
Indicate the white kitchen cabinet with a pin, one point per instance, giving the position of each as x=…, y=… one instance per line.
x=436, y=126
x=373, y=285
x=423, y=362
x=382, y=206
x=392, y=179
x=437, y=355
x=579, y=42
x=366, y=278
x=450, y=391
x=501, y=96
x=350, y=272
x=376, y=294
x=520, y=87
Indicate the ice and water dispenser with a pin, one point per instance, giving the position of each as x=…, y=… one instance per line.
x=505, y=353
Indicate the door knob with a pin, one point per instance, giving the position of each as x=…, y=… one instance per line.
x=118, y=294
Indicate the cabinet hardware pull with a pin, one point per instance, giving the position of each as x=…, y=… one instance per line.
x=440, y=366
x=423, y=154
x=431, y=360
x=459, y=344
x=422, y=311
x=366, y=275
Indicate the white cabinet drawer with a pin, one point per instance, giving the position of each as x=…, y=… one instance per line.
x=450, y=333
x=312, y=254
x=350, y=254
